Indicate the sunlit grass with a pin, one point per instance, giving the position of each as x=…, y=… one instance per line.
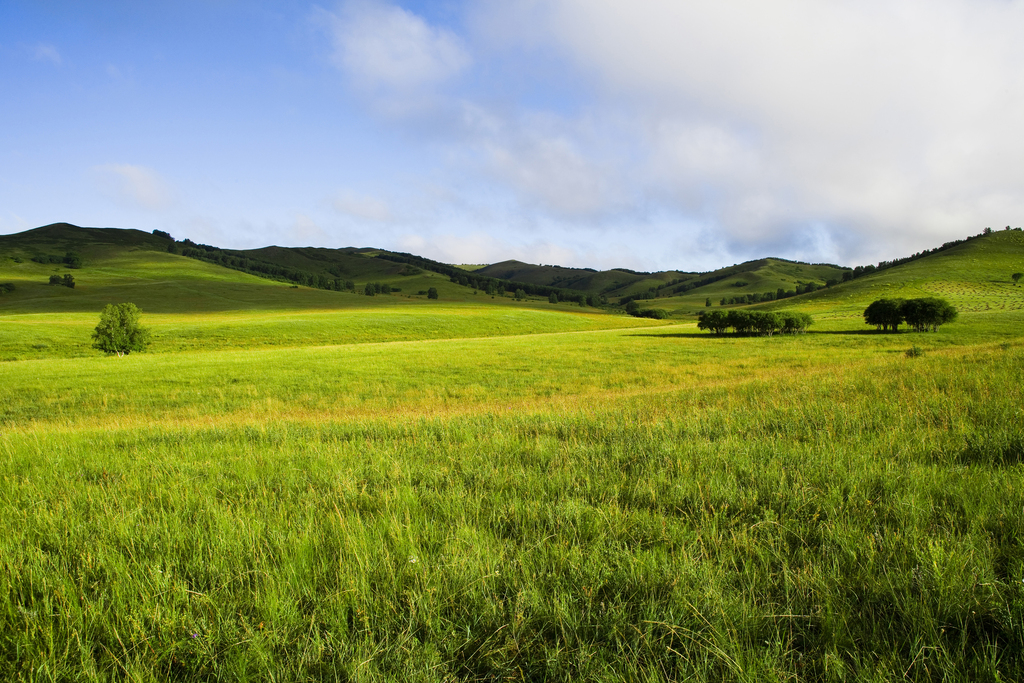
x=757, y=520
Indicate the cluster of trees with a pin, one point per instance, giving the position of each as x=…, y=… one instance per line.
x=780, y=293
x=272, y=271
x=119, y=330
x=754, y=322
x=66, y=281
x=71, y=259
x=374, y=288
x=921, y=314
x=593, y=300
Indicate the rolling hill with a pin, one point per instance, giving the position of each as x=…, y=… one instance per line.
x=191, y=303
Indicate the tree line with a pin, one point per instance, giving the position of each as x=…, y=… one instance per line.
x=920, y=314
x=265, y=269
x=780, y=293
x=764, y=323
x=71, y=259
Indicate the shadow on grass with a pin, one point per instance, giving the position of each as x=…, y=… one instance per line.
x=730, y=335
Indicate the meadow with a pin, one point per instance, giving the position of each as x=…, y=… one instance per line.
x=580, y=496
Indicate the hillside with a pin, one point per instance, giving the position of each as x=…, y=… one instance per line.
x=973, y=275
x=194, y=304
x=619, y=283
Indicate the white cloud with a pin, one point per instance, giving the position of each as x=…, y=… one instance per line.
x=364, y=207
x=305, y=230
x=384, y=47
x=44, y=52
x=550, y=171
x=133, y=186
x=894, y=122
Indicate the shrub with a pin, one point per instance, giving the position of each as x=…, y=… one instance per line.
x=915, y=352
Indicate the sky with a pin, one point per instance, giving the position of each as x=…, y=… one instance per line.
x=649, y=134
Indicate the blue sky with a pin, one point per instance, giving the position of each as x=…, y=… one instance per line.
x=649, y=134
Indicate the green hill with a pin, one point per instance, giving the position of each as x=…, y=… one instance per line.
x=194, y=304
x=680, y=289
x=973, y=275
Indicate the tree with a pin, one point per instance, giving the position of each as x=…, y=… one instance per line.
x=369, y=289
x=432, y=293
x=715, y=321
x=1016, y=278
x=707, y=302
x=929, y=312
x=72, y=260
x=794, y=322
x=119, y=330
x=520, y=294
x=68, y=280
x=884, y=314
x=553, y=298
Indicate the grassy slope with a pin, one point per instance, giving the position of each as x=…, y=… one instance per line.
x=190, y=304
x=973, y=276
x=768, y=275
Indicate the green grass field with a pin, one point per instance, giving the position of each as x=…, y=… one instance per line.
x=393, y=489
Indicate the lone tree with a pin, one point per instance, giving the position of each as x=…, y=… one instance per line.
x=432, y=293
x=119, y=330
x=1016, y=278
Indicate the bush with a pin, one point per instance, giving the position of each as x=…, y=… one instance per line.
x=432, y=293
x=915, y=352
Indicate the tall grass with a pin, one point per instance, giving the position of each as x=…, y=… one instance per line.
x=606, y=506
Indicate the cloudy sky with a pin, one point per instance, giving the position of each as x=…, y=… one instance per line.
x=650, y=134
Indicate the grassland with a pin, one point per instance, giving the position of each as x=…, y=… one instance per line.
x=192, y=305
x=573, y=502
